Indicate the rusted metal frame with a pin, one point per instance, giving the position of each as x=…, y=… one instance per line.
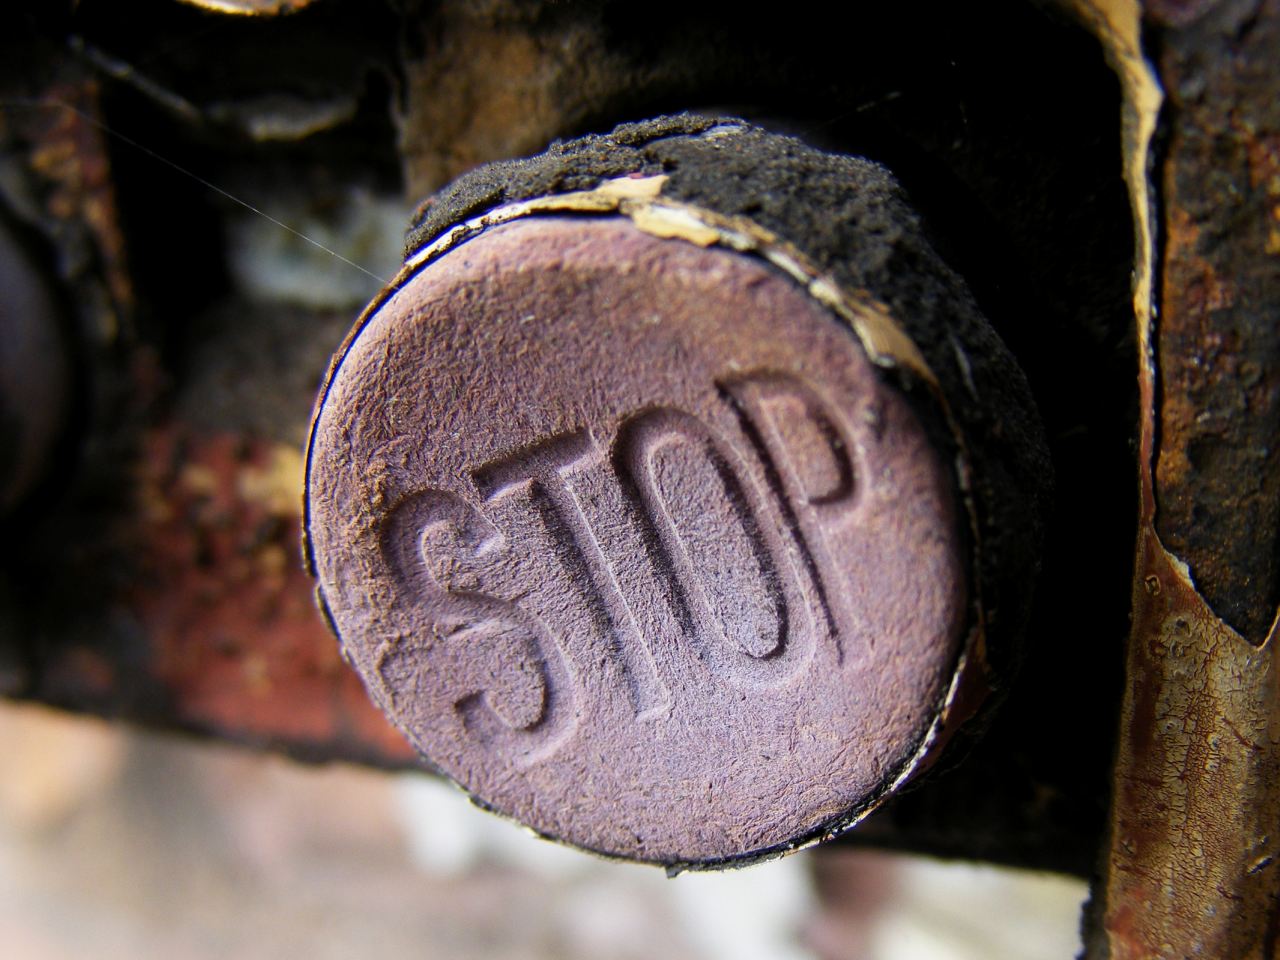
x=206, y=545
x=1189, y=864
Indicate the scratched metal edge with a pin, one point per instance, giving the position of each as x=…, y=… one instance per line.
x=886, y=344
x=1137, y=912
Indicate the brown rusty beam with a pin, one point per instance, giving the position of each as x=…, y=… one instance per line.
x=1218, y=345
x=1189, y=868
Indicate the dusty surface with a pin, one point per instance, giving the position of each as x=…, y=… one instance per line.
x=653, y=560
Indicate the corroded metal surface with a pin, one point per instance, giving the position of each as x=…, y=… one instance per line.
x=228, y=609
x=635, y=543
x=59, y=183
x=1218, y=467
x=214, y=583
x=1177, y=13
x=1192, y=862
x=1189, y=867
x=189, y=607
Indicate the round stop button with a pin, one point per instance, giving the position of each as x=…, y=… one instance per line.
x=635, y=544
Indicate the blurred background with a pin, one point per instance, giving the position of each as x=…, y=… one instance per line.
x=116, y=843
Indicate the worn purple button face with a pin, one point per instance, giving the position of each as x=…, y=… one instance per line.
x=634, y=543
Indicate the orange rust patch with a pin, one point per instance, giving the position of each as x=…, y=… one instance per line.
x=228, y=609
x=1194, y=851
